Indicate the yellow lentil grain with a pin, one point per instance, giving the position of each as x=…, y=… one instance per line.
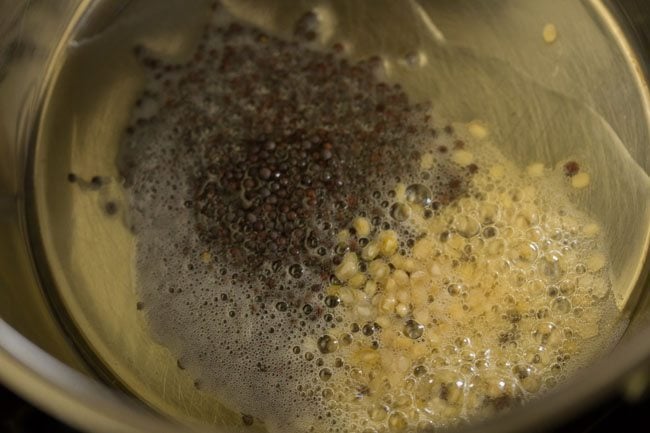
x=403, y=295
x=462, y=158
x=549, y=33
x=580, y=180
x=535, y=170
x=370, y=288
x=348, y=267
x=378, y=270
x=401, y=278
x=423, y=248
x=477, y=129
x=388, y=303
x=343, y=236
x=402, y=309
x=426, y=162
x=370, y=251
x=388, y=243
x=357, y=281
x=362, y=226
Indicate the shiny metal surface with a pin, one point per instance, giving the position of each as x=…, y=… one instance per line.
x=67, y=83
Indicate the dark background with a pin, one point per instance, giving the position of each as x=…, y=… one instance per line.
x=17, y=416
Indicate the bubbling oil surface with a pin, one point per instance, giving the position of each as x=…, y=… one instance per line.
x=502, y=295
x=324, y=255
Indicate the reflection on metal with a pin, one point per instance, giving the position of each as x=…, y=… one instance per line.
x=636, y=385
x=426, y=19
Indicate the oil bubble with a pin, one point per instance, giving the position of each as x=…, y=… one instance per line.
x=419, y=194
x=413, y=329
x=328, y=344
x=400, y=212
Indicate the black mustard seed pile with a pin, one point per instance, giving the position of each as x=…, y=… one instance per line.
x=242, y=165
x=289, y=144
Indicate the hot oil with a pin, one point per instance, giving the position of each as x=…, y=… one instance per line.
x=322, y=253
x=329, y=219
